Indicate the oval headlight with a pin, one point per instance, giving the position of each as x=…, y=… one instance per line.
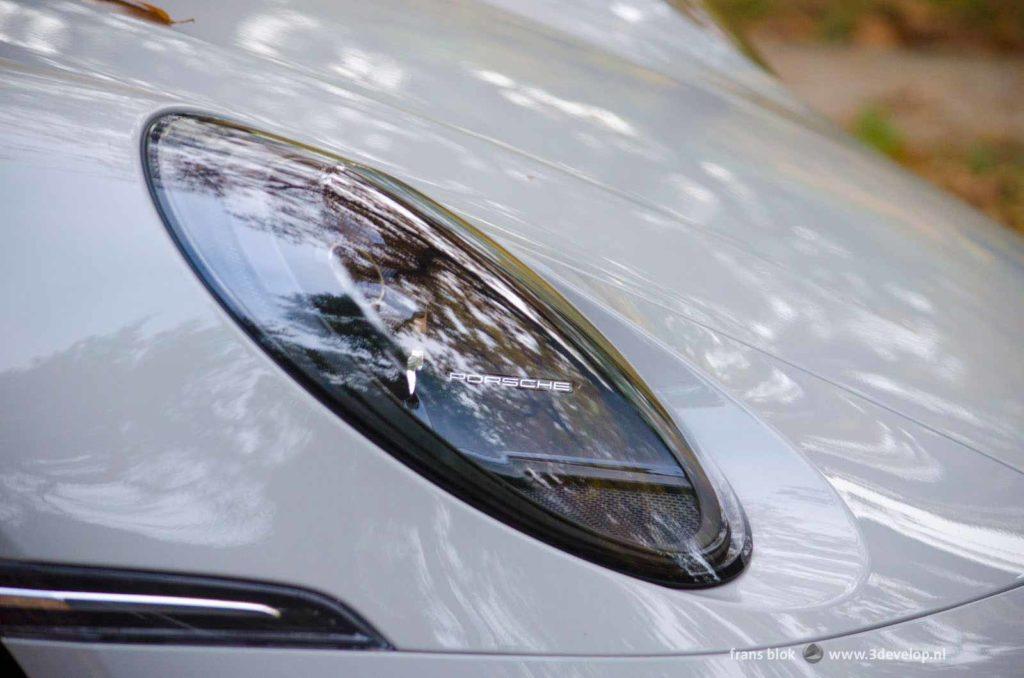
x=442, y=348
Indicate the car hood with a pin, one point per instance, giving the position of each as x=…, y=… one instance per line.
x=852, y=333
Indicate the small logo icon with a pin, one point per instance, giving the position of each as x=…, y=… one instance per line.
x=813, y=653
x=512, y=382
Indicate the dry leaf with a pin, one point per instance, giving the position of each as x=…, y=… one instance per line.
x=149, y=11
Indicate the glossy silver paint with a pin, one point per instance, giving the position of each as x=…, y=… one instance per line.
x=839, y=339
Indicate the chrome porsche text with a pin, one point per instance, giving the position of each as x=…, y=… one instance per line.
x=512, y=382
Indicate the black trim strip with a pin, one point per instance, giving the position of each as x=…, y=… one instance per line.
x=62, y=602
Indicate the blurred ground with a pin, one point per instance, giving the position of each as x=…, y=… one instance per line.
x=937, y=85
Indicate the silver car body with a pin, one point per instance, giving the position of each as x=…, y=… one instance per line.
x=842, y=341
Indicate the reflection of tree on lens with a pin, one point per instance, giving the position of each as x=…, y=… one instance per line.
x=368, y=296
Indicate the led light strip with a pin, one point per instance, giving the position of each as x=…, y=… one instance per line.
x=42, y=599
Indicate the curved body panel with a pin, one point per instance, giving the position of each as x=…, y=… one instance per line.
x=841, y=341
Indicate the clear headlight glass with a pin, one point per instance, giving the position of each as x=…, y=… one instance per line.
x=442, y=348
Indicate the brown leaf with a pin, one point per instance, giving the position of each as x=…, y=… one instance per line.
x=149, y=11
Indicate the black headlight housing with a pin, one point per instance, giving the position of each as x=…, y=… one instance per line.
x=442, y=348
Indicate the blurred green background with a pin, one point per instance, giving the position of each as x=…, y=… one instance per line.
x=936, y=85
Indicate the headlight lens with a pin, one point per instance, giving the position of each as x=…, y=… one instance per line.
x=442, y=348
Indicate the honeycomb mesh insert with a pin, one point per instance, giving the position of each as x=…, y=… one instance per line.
x=654, y=517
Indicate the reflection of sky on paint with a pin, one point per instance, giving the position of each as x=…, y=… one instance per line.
x=542, y=100
x=1002, y=549
x=267, y=34
x=275, y=34
x=627, y=12
x=34, y=29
